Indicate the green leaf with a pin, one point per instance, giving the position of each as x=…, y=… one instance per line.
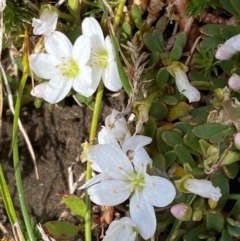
x=162, y=77
x=172, y=138
x=235, y=212
x=200, y=115
x=158, y=110
x=61, y=230
x=137, y=16
x=214, y=221
x=151, y=128
x=127, y=28
x=232, y=170
x=212, y=29
x=234, y=231
x=229, y=31
x=170, y=158
x=206, y=131
x=192, y=142
x=221, y=136
x=211, y=42
x=236, y=5
x=227, y=5
x=176, y=53
x=184, y=155
x=159, y=160
x=152, y=43
x=162, y=146
x=159, y=37
x=226, y=236
x=184, y=127
x=76, y=204
x=177, y=235
x=170, y=99
x=177, y=111
x=193, y=233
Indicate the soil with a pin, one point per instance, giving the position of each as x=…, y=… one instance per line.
x=56, y=137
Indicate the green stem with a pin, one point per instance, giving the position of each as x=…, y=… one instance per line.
x=234, y=196
x=93, y=132
x=19, y=184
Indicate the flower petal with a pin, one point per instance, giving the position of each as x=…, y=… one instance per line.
x=46, y=24
x=225, y=52
x=143, y=215
x=58, y=45
x=109, y=193
x=96, y=75
x=111, y=160
x=141, y=159
x=111, y=78
x=57, y=88
x=82, y=50
x=93, y=180
x=160, y=191
x=91, y=27
x=135, y=142
x=38, y=90
x=44, y=65
x=110, y=49
x=83, y=82
x=185, y=87
x=105, y=136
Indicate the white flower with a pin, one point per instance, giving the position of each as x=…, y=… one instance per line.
x=118, y=128
x=177, y=70
x=126, y=180
x=185, y=87
x=234, y=82
x=46, y=24
x=103, y=56
x=122, y=228
x=203, y=188
x=229, y=48
x=65, y=65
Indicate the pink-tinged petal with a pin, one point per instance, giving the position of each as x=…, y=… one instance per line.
x=46, y=24
x=160, y=192
x=57, y=88
x=225, y=52
x=44, y=65
x=83, y=82
x=135, y=142
x=234, y=82
x=234, y=42
x=38, y=90
x=111, y=78
x=143, y=215
x=109, y=193
x=105, y=137
x=91, y=27
x=82, y=50
x=59, y=45
x=110, y=49
x=141, y=159
x=111, y=160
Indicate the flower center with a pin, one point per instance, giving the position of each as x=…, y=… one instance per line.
x=69, y=68
x=100, y=57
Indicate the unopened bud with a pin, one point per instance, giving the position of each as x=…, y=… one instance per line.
x=197, y=215
x=182, y=211
x=237, y=141
x=234, y=82
x=212, y=204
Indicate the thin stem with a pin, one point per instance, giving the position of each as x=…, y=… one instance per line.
x=93, y=132
x=18, y=177
x=234, y=196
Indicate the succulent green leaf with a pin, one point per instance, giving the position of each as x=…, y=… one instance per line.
x=137, y=16
x=170, y=158
x=229, y=31
x=153, y=59
x=184, y=155
x=158, y=110
x=162, y=77
x=200, y=115
x=211, y=42
x=159, y=160
x=152, y=42
x=222, y=135
x=177, y=111
x=170, y=99
x=234, y=231
x=176, y=52
x=61, y=230
x=193, y=233
x=214, y=221
x=231, y=170
x=76, y=204
x=172, y=138
x=185, y=127
x=206, y=131
x=226, y=236
x=162, y=146
x=192, y=142
x=229, y=7
x=159, y=37
x=151, y=128
x=126, y=27
x=177, y=235
x=162, y=23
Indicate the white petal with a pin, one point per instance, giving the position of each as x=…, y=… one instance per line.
x=110, y=49
x=141, y=159
x=44, y=65
x=234, y=42
x=105, y=136
x=46, y=24
x=143, y=215
x=111, y=78
x=38, y=90
x=160, y=191
x=83, y=82
x=59, y=45
x=96, y=75
x=234, y=82
x=185, y=87
x=225, y=52
x=91, y=27
x=82, y=50
x=111, y=160
x=135, y=142
x=94, y=180
x=203, y=188
x=57, y=88
x=109, y=193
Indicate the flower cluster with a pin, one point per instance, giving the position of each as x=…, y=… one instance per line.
x=80, y=66
x=122, y=163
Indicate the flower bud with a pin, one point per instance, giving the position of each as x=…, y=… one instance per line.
x=182, y=211
x=197, y=215
x=212, y=204
x=234, y=82
x=237, y=140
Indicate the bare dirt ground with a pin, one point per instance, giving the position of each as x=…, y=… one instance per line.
x=56, y=138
